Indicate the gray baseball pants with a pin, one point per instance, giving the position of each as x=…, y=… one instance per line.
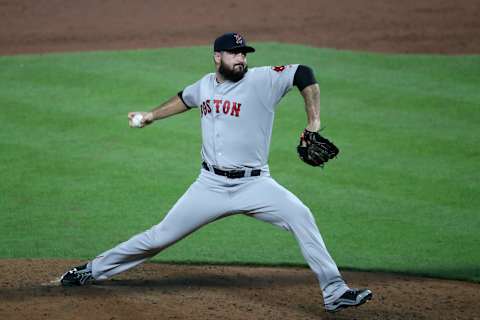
x=260, y=197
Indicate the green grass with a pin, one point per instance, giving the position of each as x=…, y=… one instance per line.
x=403, y=195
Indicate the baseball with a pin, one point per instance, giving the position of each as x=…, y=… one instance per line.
x=137, y=120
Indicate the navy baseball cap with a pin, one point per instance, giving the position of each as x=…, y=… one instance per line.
x=231, y=42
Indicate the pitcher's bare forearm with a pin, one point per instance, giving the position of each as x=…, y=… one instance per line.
x=173, y=106
x=311, y=96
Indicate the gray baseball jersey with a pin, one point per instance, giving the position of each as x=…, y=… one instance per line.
x=237, y=117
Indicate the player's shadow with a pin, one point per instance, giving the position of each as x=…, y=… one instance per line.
x=214, y=281
x=272, y=290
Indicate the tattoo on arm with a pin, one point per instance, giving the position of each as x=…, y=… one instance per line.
x=311, y=96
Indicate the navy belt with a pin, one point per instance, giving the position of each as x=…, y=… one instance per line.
x=232, y=174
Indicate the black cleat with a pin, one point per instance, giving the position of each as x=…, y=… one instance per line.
x=77, y=276
x=351, y=298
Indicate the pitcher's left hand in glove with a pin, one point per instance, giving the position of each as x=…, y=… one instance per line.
x=315, y=149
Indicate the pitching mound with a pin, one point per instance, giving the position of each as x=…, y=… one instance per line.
x=161, y=291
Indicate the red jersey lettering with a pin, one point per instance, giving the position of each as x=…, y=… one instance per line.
x=217, y=105
x=226, y=106
x=235, y=109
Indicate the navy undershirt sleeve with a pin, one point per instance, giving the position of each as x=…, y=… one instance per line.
x=181, y=98
x=303, y=77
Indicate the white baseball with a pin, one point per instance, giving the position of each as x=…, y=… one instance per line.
x=137, y=120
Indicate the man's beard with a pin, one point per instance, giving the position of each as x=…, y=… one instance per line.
x=232, y=74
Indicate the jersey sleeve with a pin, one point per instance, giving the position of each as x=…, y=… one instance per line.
x=191, y=95
x=280, y=81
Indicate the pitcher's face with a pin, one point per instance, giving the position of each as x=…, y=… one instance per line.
x=231, y=65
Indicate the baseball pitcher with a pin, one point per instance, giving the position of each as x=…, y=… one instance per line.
x=237, y=107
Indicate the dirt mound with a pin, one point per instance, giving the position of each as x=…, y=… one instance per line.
x=164, y=291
